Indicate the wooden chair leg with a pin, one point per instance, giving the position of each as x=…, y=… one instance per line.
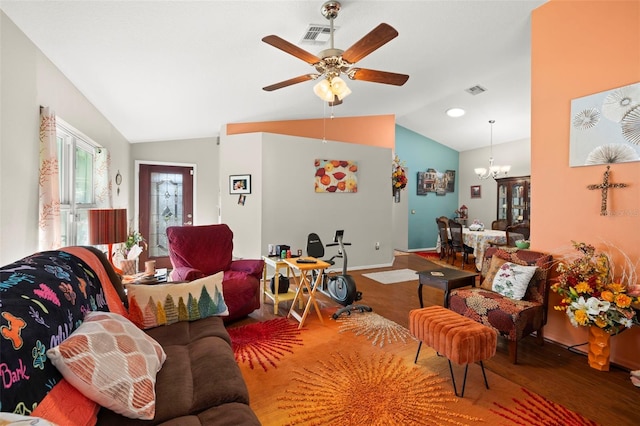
x=513, y=351
x=540, y=337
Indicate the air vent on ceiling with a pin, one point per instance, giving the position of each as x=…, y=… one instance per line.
x=317, y=34
x=475, y=90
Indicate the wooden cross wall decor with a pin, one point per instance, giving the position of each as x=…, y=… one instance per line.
x=604, y=186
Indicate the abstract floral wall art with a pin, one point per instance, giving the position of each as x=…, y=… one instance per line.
x=336, y=176
x=605, y=127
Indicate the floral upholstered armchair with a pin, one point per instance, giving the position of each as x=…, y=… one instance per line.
x=499, y=303
x=200, y=251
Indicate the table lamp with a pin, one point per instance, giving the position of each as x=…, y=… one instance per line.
x=108, y=226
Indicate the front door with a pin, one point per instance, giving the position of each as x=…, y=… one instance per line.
x=165, y=199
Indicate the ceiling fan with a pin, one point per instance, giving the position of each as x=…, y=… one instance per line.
x=332, y=62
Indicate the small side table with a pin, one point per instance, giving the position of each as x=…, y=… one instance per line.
x=304, y=284
x=276, y=263
x=445, y=279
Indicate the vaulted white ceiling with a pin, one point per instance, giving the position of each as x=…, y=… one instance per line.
x=166, y=70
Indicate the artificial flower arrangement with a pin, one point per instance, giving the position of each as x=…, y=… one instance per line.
x=398, y=175
x=131, y=248
x=590, y=296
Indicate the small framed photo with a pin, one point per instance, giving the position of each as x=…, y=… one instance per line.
x=240, y=184
x=475, y=191
x=241, y=199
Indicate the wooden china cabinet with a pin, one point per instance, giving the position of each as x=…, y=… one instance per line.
x=514, y=200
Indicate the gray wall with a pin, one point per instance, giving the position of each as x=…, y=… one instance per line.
x=283, y=207
x=203, y=154
x=30, y=80
x=517, y=154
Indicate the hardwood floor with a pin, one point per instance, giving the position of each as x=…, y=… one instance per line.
x=562, y=376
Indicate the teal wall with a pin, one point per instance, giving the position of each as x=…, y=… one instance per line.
x=419, y=154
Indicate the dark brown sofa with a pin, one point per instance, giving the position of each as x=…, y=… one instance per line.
x=200, y=382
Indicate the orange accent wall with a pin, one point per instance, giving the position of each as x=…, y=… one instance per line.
x=374, y=130
x=580, y=48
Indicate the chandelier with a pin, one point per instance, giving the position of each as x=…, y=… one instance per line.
x=493, y=171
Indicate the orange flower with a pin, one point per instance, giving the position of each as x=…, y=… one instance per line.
x=617, y=288
x=583, y=287
x=607, y=295
x=623, y=301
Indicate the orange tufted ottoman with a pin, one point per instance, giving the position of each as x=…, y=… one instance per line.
x=460, y=339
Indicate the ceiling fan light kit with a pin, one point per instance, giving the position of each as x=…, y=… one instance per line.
x=328, y=90
x=493, y=171
x=332, y=62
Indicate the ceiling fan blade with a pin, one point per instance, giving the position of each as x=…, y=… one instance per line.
x=375, y=76
x=376, y=38
x=291, y=49
x=291, y=81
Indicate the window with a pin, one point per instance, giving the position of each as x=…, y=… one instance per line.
x=76, y=159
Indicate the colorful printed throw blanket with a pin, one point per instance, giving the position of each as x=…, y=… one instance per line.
x=43, y=299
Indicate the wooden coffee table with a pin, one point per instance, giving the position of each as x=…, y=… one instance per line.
x=445, y=279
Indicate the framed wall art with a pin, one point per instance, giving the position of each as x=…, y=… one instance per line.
x=435, y=181
x=605, y=127
x=476, y=191
x=336, y=176
x=240, y=184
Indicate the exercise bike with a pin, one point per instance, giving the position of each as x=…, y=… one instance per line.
x=341, y=287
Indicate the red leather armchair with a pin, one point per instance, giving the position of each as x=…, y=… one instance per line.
x=199, y=251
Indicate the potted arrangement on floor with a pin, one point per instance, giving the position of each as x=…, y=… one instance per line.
x=593, y=298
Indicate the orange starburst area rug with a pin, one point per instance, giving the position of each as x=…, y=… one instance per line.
x=360, y=370
x=264, y=343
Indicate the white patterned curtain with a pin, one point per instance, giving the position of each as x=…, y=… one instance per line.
x=49, y=234
x=102, y=180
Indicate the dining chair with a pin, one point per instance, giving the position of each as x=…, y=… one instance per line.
x=520, y=228
x=457, y=243
x=499, y=225
x=445, y=240
x=444, y=219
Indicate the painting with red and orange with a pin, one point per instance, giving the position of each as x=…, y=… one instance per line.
x=336, y=176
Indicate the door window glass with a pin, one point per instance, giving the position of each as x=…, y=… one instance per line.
x=166, y=210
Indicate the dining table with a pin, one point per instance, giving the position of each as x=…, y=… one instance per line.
x=480, y=240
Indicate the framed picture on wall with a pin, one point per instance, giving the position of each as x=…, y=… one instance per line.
x=240, y=184
x=475, y=191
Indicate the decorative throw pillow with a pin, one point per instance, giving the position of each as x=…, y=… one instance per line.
x=113, y=363
x=164, y=304
x=512, y=280
x=18, y=419
x=494, y=267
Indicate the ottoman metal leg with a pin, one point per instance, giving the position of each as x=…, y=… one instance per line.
x=415, y=361
x=464, y=381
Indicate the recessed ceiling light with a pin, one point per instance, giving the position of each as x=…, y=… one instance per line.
x=455, y=112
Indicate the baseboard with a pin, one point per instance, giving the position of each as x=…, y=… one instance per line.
x=422, y=249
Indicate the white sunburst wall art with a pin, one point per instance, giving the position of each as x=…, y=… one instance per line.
x=605, y=127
